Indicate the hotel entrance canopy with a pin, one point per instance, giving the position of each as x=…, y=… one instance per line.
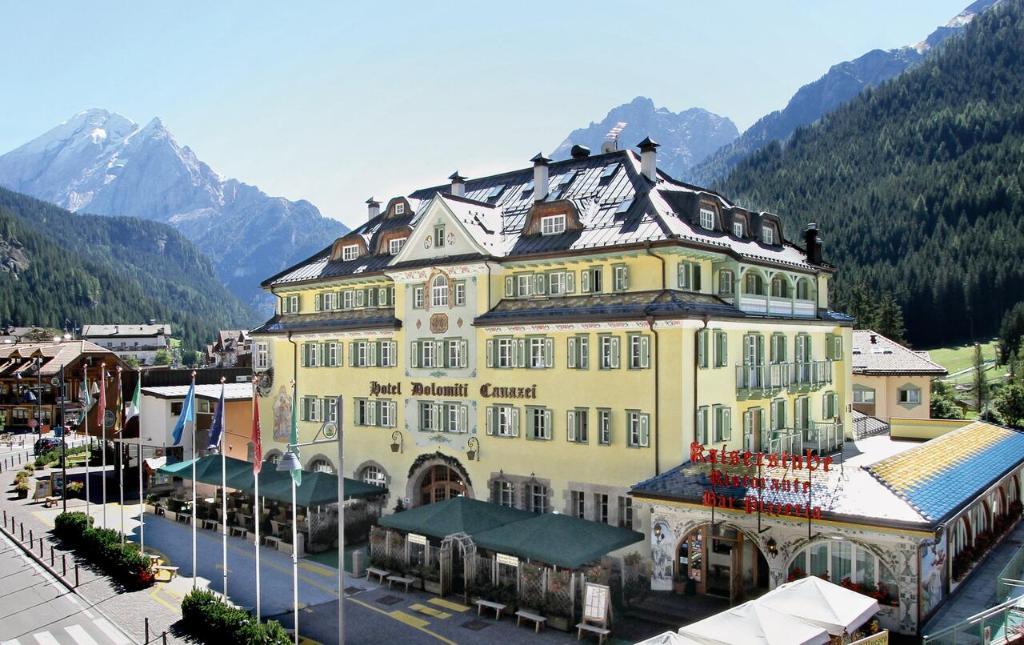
x=551, y=538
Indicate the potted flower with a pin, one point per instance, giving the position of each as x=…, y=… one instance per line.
x=75, y=488
x=21, y=488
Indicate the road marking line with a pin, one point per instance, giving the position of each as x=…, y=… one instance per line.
x=155, y=595
x=45, y=638
x=386, y=613
x=429, y=611
x=78, y=633
x=447, y=604
x=408, y=619
x=111, y=632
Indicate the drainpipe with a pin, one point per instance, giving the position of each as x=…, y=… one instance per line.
x=295, y=374
x=696, y=371
x=657, y=370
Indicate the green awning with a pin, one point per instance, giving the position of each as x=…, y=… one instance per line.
x=560, y=540
x=457, y=515
x=178, y=469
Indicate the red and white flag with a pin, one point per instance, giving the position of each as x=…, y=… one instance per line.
x=257, y=447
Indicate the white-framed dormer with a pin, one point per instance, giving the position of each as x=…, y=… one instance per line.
x=552, y=224
x=706, y=218
x=349, y=252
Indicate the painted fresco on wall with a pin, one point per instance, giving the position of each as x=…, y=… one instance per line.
x=933, y=573
x=282, y=415
x=663, y=545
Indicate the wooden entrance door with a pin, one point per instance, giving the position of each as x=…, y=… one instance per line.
x=441, y=483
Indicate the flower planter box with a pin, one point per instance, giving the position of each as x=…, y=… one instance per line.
x=22, y=494
x=432, y=586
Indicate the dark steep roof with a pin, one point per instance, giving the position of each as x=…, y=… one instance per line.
x=367, y=318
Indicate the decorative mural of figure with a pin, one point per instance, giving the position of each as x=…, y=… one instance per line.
x=663, y=551
x=282, y=416
x=933, y=569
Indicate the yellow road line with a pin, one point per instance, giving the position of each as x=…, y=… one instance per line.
x=447, y=604
x=388, y=613
x=430, y=611
x=318, y=569
x=408, y=619
x=155, y=595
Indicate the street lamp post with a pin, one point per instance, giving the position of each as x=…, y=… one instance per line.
x=331, y=433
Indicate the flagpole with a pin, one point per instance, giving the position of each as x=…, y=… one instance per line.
x=295, y=563
x=223, y=488
x=88, y=445
x=103, y=433
x=257, y=456
x=120, y=451
x=142, y=509
x=195, y=573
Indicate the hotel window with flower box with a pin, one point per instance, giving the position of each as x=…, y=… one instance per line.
x=639, y=426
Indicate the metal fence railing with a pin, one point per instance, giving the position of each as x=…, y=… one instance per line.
x=998, y=624
x=1010, y=581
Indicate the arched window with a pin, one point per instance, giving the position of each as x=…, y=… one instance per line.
x=374, y=475
x=849, y=564
x=803, y=289
x=961, y=537
x=780, y=287
x=272, y=457
x=753, y=284
x=321, y=465
x=439, y=291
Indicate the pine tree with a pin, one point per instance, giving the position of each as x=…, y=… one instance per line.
x=890, y=319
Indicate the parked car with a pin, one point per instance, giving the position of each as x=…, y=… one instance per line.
x=45, y=445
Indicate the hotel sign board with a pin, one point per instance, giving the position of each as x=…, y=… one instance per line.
x=743, y=469
x=455, y=390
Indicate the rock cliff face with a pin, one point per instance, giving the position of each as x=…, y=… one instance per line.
x=686, y=137
x=101, y=162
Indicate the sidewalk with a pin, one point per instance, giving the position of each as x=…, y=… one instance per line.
x=126, y=609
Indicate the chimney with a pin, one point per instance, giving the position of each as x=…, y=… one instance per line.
x=458, y=184
x=609, y=145
x=874, y=339
x=579, y=152
x=648, y=158
x=540, y=177
x=813, y=244
x=372, y=208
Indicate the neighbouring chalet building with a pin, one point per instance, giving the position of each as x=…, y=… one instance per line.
x=546, y=337
x=233, y=348
x=139, y=342
x=890, y=380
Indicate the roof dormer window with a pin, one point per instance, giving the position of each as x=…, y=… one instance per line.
x=552, y=224
x=768, y=235
x=707, y=219
x=395, y=245
x=349, y=252
x=737, y=229
x=399, y=208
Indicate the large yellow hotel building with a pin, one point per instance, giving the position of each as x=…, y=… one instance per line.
x=547, y=337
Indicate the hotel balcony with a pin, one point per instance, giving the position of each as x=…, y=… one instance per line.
x=763, y=381
x=773, y=306
x=820, y=437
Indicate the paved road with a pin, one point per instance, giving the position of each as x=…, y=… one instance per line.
x=35, y=608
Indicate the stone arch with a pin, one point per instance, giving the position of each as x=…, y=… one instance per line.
x=798, y=547
x=683, y=532
x=361, y=469
x=317, y=461
x=442, y=471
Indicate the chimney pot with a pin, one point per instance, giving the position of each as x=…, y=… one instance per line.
x=372, y=208
x=874, y=339
x=648, y=158
x=813, y=244
x=579, y=152
x=458, y=184
x=540, y=177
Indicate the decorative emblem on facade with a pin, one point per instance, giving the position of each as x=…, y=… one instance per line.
x=451, y=239
x=419, y=323
x=428, y=242
x=459, y=322
x=439, y=323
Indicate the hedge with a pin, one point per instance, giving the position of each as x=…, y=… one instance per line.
x=124, y=562
x=207, y=617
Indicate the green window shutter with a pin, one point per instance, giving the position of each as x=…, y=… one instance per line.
x=490, y=420
x=540, y=284
x=683, y=275
x=571, y=352
x=371, y=350
x=616, y=352
x=585, y=281
x=695, y=277
x=371, y=297
x=515, y=422
x=645, y=352
x=510, y=287
x=702, y=348
x=645, y=430
x=414, y=354
x=520, y=359
x=829, y=346
x=490, y=352
x=570, y=282
x=549, y=352
x=463, y=353
x=583, y=342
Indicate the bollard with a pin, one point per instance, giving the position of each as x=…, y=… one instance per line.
x=40, y=548
x=147, y=630
x=51, y=555
x=22, y=531
x=76, y=575
x=31, y=539
x=64, y=564
x=165, y=638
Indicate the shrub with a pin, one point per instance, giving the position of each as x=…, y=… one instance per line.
x=71, y=525
x=125, y=562
x=207, y=617
x=21, y=487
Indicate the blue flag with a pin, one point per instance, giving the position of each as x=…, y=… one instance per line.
x=188, y=414
x=217, y=427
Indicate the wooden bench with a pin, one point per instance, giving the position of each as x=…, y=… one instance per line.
x=381, y=574
x=210, y=524
x=170, y=571
x=496, y=606
x=270, y=540
x=237, y=531
x=601, y=632
x=50, y=501
x=402, y=580
x=538, y=620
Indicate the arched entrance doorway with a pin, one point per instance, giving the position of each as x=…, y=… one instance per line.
x=439, y=483
x=720, y=561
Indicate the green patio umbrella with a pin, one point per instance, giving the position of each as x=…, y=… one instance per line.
x=179, y=469
x=458, y=515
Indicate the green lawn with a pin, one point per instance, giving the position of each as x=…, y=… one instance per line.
x=960, y=357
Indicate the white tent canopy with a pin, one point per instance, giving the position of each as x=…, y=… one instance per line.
x=819, y=602
x=669, y=638
x=754, y=624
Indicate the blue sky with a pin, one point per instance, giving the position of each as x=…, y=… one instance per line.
x=332, y=103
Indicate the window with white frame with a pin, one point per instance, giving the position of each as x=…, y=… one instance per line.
x=639, y=425
x=290, y=304
x=262, y=360
x=505, y=493
x=387, y=353
x=726, y=283
x=400, y=208
x=460, y=293
x=768, y=234
x=349, y=252
x=578, y=352
x=348, y=299
x=539, y=423
x=864, y=395
x=609, y=352
x=639, y=351
x=538, y=498
x=561, y=283
x=601, y=507
x=524, y=285
x=621, y=274
x=909, y=395
x=503, y=421
x=395, y=245
x=626, y=511
x=829, y=405
x=552, y=224
x=321, y=465
x=737, y=229
x=604, y=426
x=591, y=280
x=577, y=425
x=541, y=350
x=428, y=416
x=845, y=560
x=374, y=475
x=439, y=291
x=688, y=276
x=707, y=219
x=439, y=236
x=578, y=504
x=417, y=297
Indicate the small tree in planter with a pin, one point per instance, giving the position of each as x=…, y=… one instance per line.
x=21, y=488
x=75, y=489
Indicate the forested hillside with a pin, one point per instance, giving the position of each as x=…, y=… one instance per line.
x=917, y=184
x=55, y=265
